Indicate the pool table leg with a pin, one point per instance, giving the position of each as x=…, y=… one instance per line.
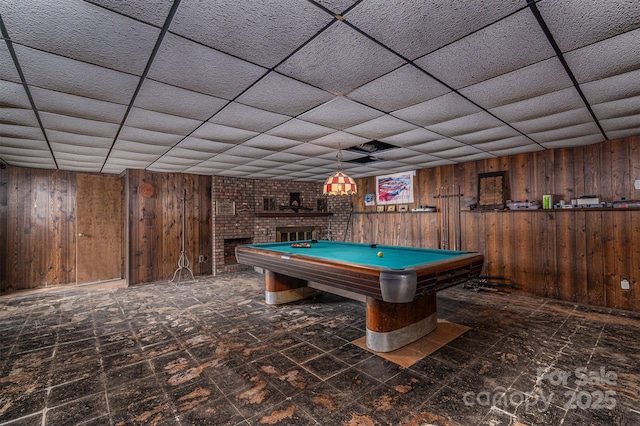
x=284, y=289
x=393, y=325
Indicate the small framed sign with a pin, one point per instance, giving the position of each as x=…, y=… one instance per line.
x=225, y=208
x=380, y=209
x=403, y=207
x=391, y=207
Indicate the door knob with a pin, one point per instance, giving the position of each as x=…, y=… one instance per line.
x=81, y=234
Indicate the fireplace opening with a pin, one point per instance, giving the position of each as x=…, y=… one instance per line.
x=230, y=245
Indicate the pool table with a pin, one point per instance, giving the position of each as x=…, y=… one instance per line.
x=398, y=284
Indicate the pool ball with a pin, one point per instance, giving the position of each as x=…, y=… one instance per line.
x=379, y=254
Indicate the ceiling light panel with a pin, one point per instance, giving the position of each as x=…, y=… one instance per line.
x=12, y=95
x=160, y=97
x=283, y=95
x=218, y=133
x=408, y=34
x=159, y=122
x=339, y=60
x=613, y=56
x=248, y=118
x=340, y=113
x=531, y=81
x=209, y=71
x=260, y=32
x=510, y=44
x=82, y=31
x=576, y=23
x=381, y=127
x=78, y=78
x=401, y=88
x=438, y=110
x=152, y=12
x=300, y=130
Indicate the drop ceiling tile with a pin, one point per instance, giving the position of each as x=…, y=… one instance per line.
x=29, y=150
x=340, y=113
x=204, y=145
x=159, y=122
x=630, y=122
x=18, y=117
x=77, y=106
x=515, y=42
x=284, y=157
x=337, y=6
x=80, y=126
x=148, y=136
x=167, y=167
x=618, y=108
x=248, y=118
x=132, y=147
x=417, y=159
x=523, y=149
x=112, y=169
x=607, y=58
x=396, y=154
x=227, y=159
x=80, y=166
x=79, y=158
x=248, y=152
x=300, y=130
x=152, y=12
x=505, y=143
x=209, y=71
x=318, y=163
x=283, y=95
x=438, y=110
x=473, y=157
x=414, y=28
x=616, y=134
x=576, y=23
x=270, y=142
x=381, y=127
x=474, y=126
x=66, y=149
x=179, y=152
x=488, y=135
x=541, y=106
x=22, y=143
x=203, y=170
x=612, y=88
x=79, y=141
x=412, y=137
x=160, y=97
x=66, y=75
x=339, y=140
x=21, y=132
x=219, y=133
x=172, y=160
x=564, y=133
x=264, y=164
x=126, y=163
x=260, y=32
x=437, y=146
x=339, y=60
x=12, y=95
x=438, y=163
x=311, y=150
x=577, y=141
x=554, y=121
x=401, y=88
x=139, y=158
x=8, y=69
x=457, y=152
x=524, y=83
x=29, y=161
x=83, y=32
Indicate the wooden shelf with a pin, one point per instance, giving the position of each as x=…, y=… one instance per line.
x=396, y=212
x=586, y=209
x=293, y=214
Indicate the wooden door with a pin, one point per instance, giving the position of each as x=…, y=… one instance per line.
x=99, y=228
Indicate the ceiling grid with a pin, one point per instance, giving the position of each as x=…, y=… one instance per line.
x=271, y=90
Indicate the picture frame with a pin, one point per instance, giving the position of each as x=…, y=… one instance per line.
x=380, y=209
x=403, y=207
x=391, y=207
x=225, y=208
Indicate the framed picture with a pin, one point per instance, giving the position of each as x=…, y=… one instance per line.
x=395, y=189
x=368, y=200
x=225, y=208
x=391, y=207
x=380, y=209
x=403, y=208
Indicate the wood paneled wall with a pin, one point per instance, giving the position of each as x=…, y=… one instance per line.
x=155, y=224
x=577, y=255
x=40, y=228
x=4, y=209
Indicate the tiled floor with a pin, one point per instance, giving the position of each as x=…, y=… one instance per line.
x=212, y=353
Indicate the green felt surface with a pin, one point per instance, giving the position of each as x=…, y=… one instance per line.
x=393, y=257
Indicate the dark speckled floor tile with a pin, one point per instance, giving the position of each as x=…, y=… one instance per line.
x=212, y=352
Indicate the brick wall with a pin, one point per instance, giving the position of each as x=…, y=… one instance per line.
x=248, y=196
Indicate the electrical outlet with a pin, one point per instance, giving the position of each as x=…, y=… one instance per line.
x=624, y=283
x=636, y=184
x=201, y=258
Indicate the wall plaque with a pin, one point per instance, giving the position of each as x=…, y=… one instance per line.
x=225, y=208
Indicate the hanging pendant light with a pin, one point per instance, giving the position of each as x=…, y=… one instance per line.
x=339, y=183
